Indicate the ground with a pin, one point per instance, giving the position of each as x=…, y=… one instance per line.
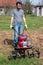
x=36, y=38
x=35, y=33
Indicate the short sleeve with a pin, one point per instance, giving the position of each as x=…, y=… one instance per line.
x=12, y=13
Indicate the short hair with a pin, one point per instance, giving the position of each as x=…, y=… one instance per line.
x=18, y=3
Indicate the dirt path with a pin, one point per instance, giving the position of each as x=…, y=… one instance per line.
x=35, y=36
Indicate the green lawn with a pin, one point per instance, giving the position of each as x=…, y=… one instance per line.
x=33, y=22
x=32, y=61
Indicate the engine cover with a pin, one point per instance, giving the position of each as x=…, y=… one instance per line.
x=23, y=38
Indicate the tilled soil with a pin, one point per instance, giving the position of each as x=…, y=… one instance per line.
x=6, y=40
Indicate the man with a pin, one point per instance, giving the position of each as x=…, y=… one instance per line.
x=17, y=17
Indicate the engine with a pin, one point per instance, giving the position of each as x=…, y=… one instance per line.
x=23, y=41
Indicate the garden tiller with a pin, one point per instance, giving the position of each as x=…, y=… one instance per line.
x=23, y=47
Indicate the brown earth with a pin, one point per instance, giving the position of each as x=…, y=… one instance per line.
x=36, y=38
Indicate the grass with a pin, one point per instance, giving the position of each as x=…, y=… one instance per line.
x=32, y=61
x=4, y=22
x=33, y=22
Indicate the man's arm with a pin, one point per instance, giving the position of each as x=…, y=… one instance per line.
x=25, y=21
x=12, y=20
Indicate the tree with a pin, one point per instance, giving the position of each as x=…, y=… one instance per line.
x=27, y=7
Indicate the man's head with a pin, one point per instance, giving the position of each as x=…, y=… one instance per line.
x=19, y=5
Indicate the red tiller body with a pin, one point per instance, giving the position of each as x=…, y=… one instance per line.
x=22, y=40
x=23, y=37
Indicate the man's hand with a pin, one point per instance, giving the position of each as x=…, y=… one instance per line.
x=11, y=26
x=25, y=21
x=12, y=18
x=26, y=26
